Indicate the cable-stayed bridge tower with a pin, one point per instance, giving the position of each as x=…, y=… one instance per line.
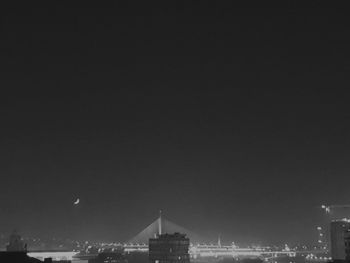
x=160, y=223
x=161, y=226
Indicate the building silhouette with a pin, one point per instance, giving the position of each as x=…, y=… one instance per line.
x=347, y=245
x=16, y=243
x=169, y=248
x=16, y=251
x=339, y=232
x=19, y=257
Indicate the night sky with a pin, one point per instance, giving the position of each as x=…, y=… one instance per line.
x=233, y=119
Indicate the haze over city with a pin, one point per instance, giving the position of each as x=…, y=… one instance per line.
x=231, y=118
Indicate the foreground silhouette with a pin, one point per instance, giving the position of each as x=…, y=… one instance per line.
x=19, y=257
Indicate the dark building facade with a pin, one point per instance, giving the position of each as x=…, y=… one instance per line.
x=347, y=245
x=169, y=248
x=339, y=229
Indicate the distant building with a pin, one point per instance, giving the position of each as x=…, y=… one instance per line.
x=16, y=243
x=339, y=231
x=169, y=248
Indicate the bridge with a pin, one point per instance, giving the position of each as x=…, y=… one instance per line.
x=198, y=249
x=163, y=225
x=139, y=243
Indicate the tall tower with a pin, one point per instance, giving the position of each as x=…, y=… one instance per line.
x=160, y=223
x=219, y=241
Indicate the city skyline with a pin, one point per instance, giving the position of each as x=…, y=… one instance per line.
x=232, y=118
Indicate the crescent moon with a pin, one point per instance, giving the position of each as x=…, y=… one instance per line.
x=77, y=201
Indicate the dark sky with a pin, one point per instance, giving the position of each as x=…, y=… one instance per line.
x=233, y=119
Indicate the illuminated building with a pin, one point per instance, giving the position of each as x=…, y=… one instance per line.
x=169, y=248
x=339, y=230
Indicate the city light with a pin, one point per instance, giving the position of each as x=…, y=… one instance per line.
x=326, y=208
